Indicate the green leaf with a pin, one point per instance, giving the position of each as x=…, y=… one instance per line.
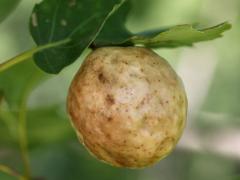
x=181, y=35
x=6, y=7
x=114, y=31
x=77, y=20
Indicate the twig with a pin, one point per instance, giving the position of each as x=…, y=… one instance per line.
x=23, y=138
x=23, y=127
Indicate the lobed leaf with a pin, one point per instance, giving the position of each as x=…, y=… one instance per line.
x=181, y=35
x=115, y=33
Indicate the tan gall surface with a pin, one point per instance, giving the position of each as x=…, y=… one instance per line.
x=128, y=106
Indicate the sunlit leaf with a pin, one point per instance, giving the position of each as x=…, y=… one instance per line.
x=115, y=33
x=181, y=35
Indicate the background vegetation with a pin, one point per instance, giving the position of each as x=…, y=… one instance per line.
x=210, y=147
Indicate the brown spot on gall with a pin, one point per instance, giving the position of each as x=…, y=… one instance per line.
x=110, y=100
x=108, y=136
x=109, y=119
x=102, y=78
x=122, y=161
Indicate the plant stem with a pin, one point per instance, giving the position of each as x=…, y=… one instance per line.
x=11, y=172
x=23, y=141
x=9, y=120
x=28, y=54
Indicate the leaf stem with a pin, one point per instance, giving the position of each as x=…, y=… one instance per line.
x=29, y=53
x=9, y=171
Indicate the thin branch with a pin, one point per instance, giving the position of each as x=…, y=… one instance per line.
x=23, y=140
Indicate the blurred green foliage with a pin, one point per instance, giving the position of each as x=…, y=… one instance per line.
x=54, y=149
x=6, y=7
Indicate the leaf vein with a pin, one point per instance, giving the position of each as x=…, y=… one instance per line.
x=52, y=29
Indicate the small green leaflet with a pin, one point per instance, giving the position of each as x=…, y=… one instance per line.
x=75, y=22
x=181, y=35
